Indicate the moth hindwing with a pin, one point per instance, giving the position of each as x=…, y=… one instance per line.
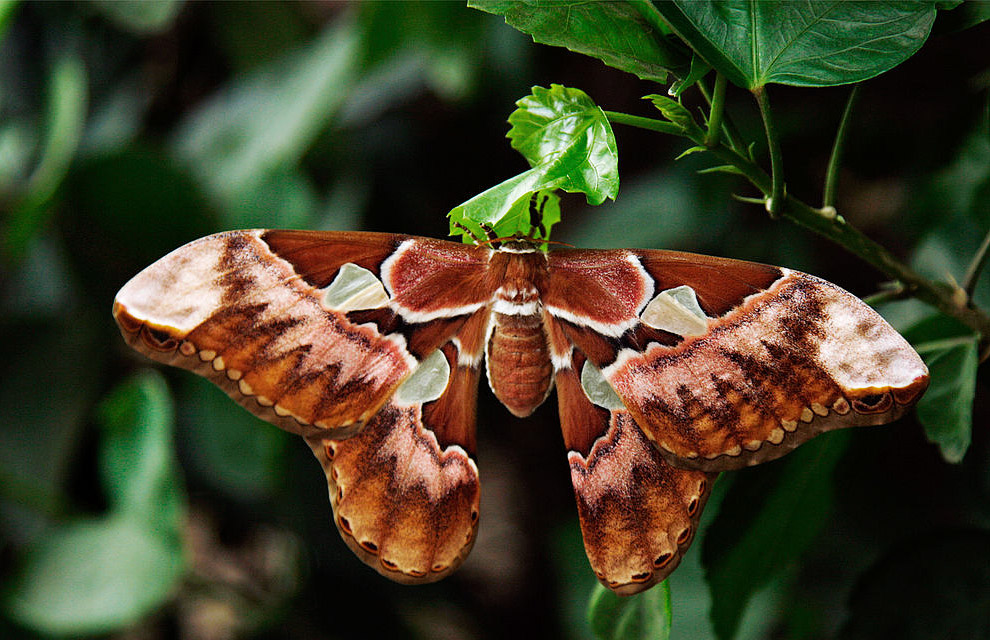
x=669, y=367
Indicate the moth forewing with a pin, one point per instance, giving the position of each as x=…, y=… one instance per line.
x=668, y=366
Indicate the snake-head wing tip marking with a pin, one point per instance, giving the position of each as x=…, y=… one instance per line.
x=786, y=363
x=127, y=323
x=148, y=338
x=912, y=392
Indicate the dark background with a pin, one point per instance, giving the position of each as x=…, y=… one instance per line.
x=409, y=126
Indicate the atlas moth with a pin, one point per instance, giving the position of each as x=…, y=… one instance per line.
x=669, y=367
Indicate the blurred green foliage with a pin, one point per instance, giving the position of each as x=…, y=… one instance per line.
x=613, y=617
x=128, y=128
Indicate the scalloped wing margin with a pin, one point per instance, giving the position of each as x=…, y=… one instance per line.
x=783, y=357
x=245, y=309
x=638, y=513
x=405, y=490
x=780, y=356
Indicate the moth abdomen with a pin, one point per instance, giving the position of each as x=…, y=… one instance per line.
x=519, y=368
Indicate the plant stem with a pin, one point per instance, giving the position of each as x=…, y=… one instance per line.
x=776, y=200
x=717, y=109
x=976, y=266
x=940, y=295
x=728, y=128
x=935, y=346
x=832, y=175
x=891, y=294
x=651, y=124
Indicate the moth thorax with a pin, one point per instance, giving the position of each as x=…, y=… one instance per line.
x=518, y=356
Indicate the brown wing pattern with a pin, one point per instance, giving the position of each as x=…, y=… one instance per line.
x=230, y=308
x=704, y=364
x=638, y=514
x=781, y=357
x=252, y=311
x=405, y=490
x=245, y=309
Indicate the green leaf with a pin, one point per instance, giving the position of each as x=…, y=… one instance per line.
x=137, y=456
x=565, y=134
x=93, y=576
x=7, y=8
x=946, y=596
x=767, y=520
x=235, y=451
x=485, y=212
x=614, y=32
x=68, y=97
x=52, y=378
x=140, y=16
x=645, y=616
x=808, y=43
x=946, y=410
x=677, y=114
x=541, y=206
x=251, y=134
x=569, y=143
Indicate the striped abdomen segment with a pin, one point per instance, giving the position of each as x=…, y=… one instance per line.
x=518, y=357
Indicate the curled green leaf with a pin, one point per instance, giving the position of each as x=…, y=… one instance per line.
x=565, y=134
x=568, y=142
x=677, y=114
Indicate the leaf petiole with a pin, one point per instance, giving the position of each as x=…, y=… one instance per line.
x=832, y=174
x=716, y=113
x=976, y=266
x=650, y=124
x=775, y=200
